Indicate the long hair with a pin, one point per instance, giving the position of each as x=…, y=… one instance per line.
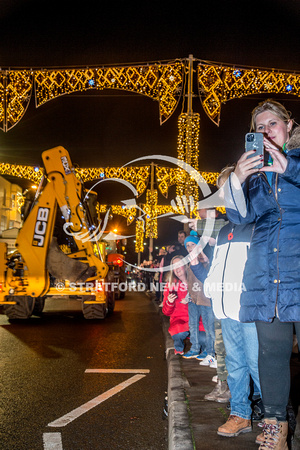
x=172, y=277
x=274, y=107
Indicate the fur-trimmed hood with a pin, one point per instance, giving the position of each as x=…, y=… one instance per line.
x=294, y=141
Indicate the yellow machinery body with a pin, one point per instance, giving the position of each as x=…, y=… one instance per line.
x=36, y=269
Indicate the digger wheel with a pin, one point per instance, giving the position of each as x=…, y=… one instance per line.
x=23, y=308
x=93, y=310
x=110, y=302
x=38, y=306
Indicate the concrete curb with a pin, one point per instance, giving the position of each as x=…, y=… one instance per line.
x=179, y=425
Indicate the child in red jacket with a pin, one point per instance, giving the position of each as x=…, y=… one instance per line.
x=175, y=292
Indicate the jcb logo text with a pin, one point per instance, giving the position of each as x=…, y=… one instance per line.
x=40, y=227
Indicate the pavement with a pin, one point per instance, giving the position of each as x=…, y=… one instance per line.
x=193, y=421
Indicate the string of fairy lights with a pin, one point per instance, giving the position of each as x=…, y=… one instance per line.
x=138, y=176
x=218, y=83
x=164, y=82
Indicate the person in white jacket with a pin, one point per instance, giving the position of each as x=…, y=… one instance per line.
x=224, y=285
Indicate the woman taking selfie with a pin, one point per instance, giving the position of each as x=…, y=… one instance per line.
x=271, y=297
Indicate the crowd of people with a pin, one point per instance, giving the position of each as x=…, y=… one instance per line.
x=235, y=294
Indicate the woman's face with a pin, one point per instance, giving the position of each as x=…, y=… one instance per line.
x=275, y=129
x=179, y=271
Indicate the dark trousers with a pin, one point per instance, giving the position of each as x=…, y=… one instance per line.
x=275, y=349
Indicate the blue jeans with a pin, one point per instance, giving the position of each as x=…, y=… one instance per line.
x=241, y=344
x=197, y=338
x=178, y=339
x=208, y=320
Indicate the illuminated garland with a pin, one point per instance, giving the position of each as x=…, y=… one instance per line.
x=31, y=173
x=137, y=176
x=139, y=236
x=15, y=94
x=188, y=152
x=219, y=83
x=166, y=177
x=161, y=82
x=129, y=214
x=20, y=201
x=151, y=213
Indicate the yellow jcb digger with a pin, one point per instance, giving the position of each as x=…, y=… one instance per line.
x=41, y=266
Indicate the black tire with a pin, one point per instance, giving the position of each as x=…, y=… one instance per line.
x=23, y=308
x=94, y=310
x=38, y=306
x=110, y=302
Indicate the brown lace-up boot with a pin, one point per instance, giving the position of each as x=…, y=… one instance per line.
x=275, y=435
x=234, y=426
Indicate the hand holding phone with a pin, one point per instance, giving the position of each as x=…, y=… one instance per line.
x=172, y=296
x=255, y=141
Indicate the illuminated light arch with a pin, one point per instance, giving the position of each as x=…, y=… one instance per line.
x=31, y=173
x=218, y=83
x=161, y=82
x=137, y=176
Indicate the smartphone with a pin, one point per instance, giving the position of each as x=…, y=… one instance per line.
x=255, y=141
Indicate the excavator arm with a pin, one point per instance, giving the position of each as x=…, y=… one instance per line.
x=39, y=264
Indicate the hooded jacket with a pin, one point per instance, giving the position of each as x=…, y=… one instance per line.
x=272, y=270
x=224, y=282
x=177, y=311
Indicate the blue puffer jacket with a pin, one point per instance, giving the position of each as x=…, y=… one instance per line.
x=272, y=271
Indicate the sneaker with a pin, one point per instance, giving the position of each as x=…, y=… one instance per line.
x=209, y=361
x=234, y=426
x=214, y=364
x=178, y=352
x=202, y=356
x=190, y=354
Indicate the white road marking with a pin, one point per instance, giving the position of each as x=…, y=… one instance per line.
x=52, y=441
x=117, y=371
x=67, y=418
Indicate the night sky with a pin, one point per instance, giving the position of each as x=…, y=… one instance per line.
x=108, y=128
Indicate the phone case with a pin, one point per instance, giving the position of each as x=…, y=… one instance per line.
x=255, y=141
